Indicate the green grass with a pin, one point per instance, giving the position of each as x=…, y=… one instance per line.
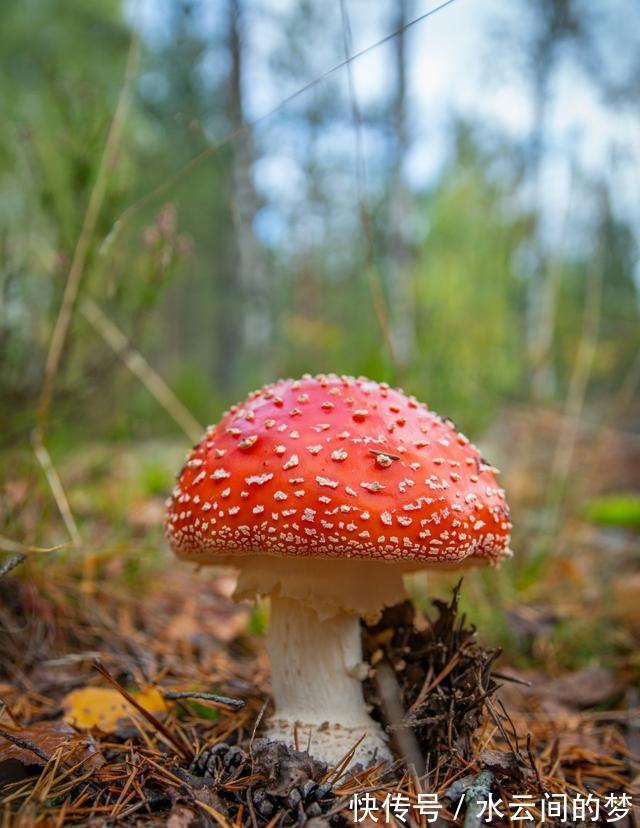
x=619, y=509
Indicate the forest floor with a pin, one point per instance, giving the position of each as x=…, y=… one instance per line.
x=95, y=647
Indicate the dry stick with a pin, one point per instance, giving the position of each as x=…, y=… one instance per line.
x=218, y=145
x=140, y=368
x=512, y=679
x=373, y=275
x=57, y=489
x=25, y=744
x=8, y=545
x=179, y=745
x=394, y=713
x=212, y=697
x=11, y=563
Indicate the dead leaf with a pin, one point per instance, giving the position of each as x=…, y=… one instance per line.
x=105, y=708
x=503, y=761
x=563, y=696
x=584, y=688
x=47, y=737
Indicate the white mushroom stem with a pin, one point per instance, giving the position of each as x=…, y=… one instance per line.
x=317, y=670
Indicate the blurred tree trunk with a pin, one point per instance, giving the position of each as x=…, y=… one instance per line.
x=557, y=22
x=544, y=280
x=401, y=209
x=256, y=316
x=203, y=311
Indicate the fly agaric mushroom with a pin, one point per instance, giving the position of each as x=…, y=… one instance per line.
x=323, y=492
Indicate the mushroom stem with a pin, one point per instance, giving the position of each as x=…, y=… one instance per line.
x=317, y=670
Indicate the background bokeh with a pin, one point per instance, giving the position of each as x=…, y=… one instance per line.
x=224, y=199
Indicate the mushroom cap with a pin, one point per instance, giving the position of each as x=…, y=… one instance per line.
x=337, y=467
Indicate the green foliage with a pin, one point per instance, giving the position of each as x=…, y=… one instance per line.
x=620, y=509
x=468, y=293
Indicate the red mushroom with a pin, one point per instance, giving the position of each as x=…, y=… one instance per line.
x=323, y=491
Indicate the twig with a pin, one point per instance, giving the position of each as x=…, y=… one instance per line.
x=390, y=694
x=512, y=679
x=55, y=484
x=25, y=744
x=139, y=366
x=11, y=563
x=179, y=745
x=8, y=545
x=212, y=697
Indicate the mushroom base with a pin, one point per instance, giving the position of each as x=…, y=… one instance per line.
x=317, y=670
x=332, y=743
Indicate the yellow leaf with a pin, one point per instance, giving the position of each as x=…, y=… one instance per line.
x=104, y=707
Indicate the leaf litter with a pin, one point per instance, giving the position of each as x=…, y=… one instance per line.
x=166, y=730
